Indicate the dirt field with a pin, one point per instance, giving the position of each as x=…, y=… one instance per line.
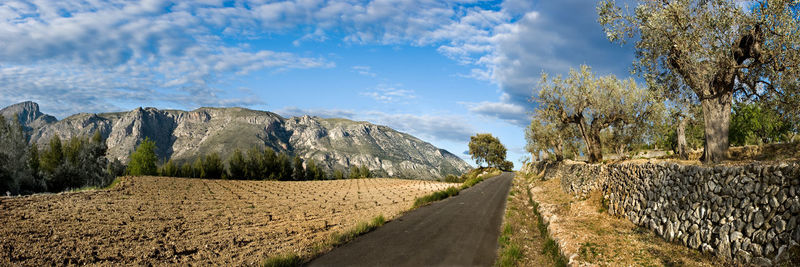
x=159, y=220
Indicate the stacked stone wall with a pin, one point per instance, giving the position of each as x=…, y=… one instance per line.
x=746, y=214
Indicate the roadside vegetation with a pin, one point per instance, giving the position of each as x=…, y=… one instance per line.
x=587, y=233
x=335, y=239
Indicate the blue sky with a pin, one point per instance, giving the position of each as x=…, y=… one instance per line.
x=439, y=70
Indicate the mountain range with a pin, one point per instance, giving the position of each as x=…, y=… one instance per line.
x=185, y=135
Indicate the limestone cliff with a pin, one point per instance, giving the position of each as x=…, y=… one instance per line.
x=184, y=135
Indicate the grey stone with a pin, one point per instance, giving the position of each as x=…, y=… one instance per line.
x=694, y=241
x=773, y=202
x=780, y=225
x=761, y=261
x=743, y=256
x=734, y=236
x=755, y=249
x=758, y=219
x=759, y=236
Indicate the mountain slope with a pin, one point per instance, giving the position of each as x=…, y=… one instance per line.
x=184, y=135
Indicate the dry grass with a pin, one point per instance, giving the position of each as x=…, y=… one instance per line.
x=588, y=235
x=521, y=243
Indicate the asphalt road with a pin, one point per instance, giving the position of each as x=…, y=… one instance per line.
x=458, y=231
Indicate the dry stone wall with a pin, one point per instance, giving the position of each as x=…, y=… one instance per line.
x=745, y=214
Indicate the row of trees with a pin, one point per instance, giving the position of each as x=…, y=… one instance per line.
x=708, y=65
x=255, y=164
x=78, y=162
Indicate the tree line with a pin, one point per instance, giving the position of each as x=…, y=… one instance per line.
x=716, y=74
x=75, y=163
x=255, y=164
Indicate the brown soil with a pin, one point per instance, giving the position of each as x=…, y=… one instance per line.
x=168, y=221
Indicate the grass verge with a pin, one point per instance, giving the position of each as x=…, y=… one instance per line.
x=336, y=239
x=90, y=188
x=510, y=252
x=339, y=238
x=550, y=247
x=472, y=178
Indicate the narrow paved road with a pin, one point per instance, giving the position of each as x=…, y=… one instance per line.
x=458, y=231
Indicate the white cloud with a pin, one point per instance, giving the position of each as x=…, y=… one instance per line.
x=324, y=113
x=390, y=94
x=510, y=112
x=364, y=70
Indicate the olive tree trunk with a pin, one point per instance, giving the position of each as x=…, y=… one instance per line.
x=682, y=146
x=717, y=115
x=591, y=136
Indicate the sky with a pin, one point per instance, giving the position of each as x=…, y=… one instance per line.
x=439, y=70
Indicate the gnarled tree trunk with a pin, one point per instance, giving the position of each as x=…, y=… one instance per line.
x=717, y=115
x=591, y=136
x=682, y=146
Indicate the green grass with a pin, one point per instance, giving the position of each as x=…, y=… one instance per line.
x=92, y=188
x=510, y=252
x=336, y=239
x=435, y=196
x=550, y=247
x=360, y=229
x=285, y=260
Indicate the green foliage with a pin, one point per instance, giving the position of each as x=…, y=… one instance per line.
x=169, y=169
x=143, y=160
x=487, y=148
x=313, y=172
x=713, y=50
x=212, y=166
x=589, y=104
x=198, y=170
x=284, y=260
x=338, y=174
x=236, y=165
x=755, y=124
x=360, y=229
x=436, y=196
x=53, y=156
x=186, y=170
x=299, y=172
x=452, y=178
x=510, y=253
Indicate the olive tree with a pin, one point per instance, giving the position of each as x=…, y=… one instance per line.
x=715, y=49
x=592, y=104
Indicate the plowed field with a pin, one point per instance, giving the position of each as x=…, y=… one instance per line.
x=166, y=221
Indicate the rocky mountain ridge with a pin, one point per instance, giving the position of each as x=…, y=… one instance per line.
x=184, y=135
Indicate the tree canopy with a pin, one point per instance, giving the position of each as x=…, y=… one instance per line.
x=143, y=160
x=487, y=148
x=590, y=104
x=714, y=49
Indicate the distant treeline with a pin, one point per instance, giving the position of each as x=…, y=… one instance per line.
x=75, y=163
x=255, y=164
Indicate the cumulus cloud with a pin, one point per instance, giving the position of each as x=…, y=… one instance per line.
x=427, y=127
x=510, y=112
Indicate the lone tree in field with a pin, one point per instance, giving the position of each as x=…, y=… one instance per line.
x=591, y=104
x=487, y=148
x=714, y=48
x=143, y=160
